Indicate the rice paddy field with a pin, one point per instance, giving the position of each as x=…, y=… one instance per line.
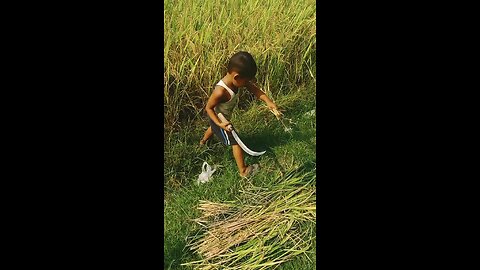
x=266, y=221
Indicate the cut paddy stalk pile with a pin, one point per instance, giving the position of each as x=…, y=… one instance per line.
x=261, y=230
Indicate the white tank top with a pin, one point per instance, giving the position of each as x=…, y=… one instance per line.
x=226, y=108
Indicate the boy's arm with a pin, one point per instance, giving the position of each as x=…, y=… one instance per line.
x=261, y=95
x=218, y=95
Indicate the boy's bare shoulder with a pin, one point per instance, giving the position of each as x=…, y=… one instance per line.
x=219, y=88
x=221, y=93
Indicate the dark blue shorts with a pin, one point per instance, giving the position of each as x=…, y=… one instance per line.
x=224, y=136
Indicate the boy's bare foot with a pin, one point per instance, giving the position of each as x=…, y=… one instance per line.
x=250, y=170
x=202, y=142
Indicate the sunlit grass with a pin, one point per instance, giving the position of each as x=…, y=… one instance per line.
x=200, y=36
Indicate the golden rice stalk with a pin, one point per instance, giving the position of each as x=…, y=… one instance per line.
x=245, y=235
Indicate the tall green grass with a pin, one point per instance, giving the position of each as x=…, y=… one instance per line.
x=258, y=128
x=200, y=36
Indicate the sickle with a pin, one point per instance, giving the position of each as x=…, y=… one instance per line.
x=235, y=135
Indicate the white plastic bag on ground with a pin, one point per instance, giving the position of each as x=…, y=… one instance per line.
x=206, y=174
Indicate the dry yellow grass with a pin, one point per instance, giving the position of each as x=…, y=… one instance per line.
x=200, y=36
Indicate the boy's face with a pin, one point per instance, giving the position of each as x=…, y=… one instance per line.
x=240, y=81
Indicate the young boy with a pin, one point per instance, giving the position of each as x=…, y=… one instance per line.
x=241, y=73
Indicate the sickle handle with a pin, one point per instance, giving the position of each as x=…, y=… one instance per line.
x=223, y=119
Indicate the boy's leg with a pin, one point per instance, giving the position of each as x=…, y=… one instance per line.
x=206, y=136
x=238, y=154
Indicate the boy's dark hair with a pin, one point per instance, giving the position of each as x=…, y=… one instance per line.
x=243, y=63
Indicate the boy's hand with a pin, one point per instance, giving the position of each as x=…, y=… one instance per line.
x=226, y=126
x=224, y=123
x=272, y=106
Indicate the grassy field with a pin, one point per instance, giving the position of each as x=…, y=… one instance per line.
x=285, y=151
x=199, y=38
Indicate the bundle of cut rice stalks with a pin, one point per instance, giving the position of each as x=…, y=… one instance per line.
x=265, y=228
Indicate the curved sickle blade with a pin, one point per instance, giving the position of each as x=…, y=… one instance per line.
x=244, y=147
